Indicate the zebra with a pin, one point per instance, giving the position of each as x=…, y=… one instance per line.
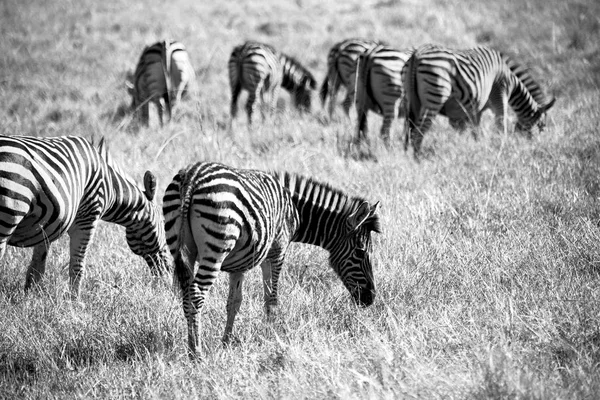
x=163, y=75
x=49, y=186
x=261, y=70
x=379, y=87
x=218, y=218
x=341, y=65
x=461, y=84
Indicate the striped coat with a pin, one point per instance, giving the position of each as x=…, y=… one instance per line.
x=163, y=75
x=262, y=71
x=461, y=84
x=380, y=87
x=52, y=186
x=341, y=68
x=220, y=218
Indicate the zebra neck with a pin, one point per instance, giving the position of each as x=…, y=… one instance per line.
x=521, y=100
x=125, y=200
x=321, y=210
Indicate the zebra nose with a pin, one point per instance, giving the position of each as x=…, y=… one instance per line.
x=365, y=297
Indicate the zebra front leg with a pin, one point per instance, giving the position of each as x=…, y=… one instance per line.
x=37, y=267
x=80, y=240
x=270, y=273
x=234, y=301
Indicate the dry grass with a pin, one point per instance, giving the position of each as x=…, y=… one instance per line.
x=488, y=268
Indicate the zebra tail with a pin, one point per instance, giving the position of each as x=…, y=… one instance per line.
x=166, y=53
x=184, y=267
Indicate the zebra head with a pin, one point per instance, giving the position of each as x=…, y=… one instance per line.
x=525, y=124
x=146, y=237
x=350, y=255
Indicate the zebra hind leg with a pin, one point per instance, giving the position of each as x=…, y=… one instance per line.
x=234, y=301
x=37, y=267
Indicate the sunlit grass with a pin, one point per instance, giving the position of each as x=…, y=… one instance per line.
x=487, y=271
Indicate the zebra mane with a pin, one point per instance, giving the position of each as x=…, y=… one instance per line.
x=111, y=163
x=324, y=195
x=524, y=75
x=291, y=80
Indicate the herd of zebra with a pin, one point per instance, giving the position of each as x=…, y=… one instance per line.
x=217, y=218
x=416, y=83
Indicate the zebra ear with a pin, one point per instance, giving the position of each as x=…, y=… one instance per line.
x=548, y=105
x=361, y=215
x=149, y=185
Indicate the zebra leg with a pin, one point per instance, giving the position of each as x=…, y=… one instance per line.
x=270, y=272
x=80, y=240
x=363, y=125
x=37, y=267
x=234, y=301
x=160, y=106
x=251, y=106
x=386, y=127
x=421, y=126
x=235, y=94
x=145, y=113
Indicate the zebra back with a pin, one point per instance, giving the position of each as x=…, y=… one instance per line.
x=297, y=80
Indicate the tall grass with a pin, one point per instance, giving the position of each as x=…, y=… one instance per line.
x=488, y=269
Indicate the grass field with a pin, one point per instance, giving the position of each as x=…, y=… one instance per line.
x=488, y=267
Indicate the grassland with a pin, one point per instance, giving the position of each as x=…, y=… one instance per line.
x=488, y=270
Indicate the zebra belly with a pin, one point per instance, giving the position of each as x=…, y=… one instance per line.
x=47, y=220
x=38, y=228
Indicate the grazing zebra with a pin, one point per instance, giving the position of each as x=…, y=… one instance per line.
x=341, y=65
x=261, y=70
x=380, y=87
x=461, y=84
x=49, y=186
x=218, y=218
x=163, y=75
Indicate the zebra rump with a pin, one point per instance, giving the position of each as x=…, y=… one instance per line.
x=380, y=87
x=163, y=75
x=341, y=65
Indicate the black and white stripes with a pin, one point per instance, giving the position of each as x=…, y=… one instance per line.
x=51, y=186
x=380, y=87
x=461, y=84
x=163, y=74
x=262, y=71
x=341, y=67
x=219, y=218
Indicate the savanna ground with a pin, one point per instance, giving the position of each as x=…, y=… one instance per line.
x=488, y=269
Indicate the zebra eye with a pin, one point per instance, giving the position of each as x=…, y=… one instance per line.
x=360, y=253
